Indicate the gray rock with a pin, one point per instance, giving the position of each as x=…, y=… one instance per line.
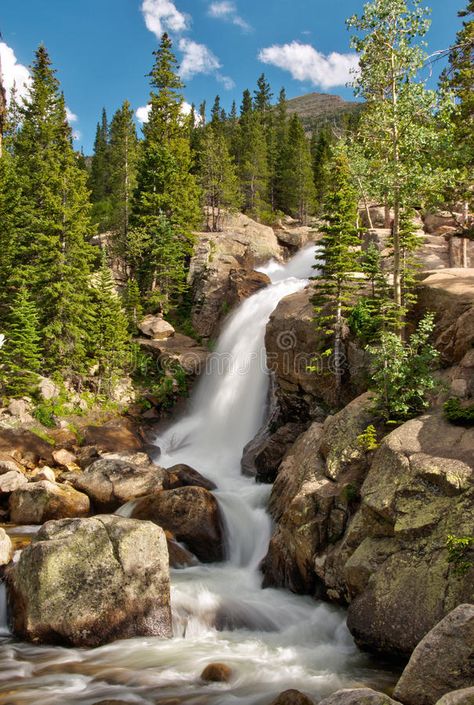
x=358, y=696
x=465, y=696
x=87, y=582
x=11, y=481
x=42, y=501
x=443, y=661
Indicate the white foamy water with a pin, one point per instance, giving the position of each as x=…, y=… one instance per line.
x=272, y=639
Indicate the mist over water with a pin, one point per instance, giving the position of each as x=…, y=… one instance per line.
x=272, y=639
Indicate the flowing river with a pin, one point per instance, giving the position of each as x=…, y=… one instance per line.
x=273, y=640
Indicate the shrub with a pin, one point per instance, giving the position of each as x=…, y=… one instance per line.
x=458, y=414
x=460, y=553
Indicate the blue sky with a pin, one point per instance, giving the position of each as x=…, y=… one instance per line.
x=102, y=48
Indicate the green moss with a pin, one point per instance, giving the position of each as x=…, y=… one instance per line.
x=41, y=433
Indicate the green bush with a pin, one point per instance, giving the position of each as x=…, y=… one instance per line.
x=460, y=553
x=458, y=414
x=368, y=439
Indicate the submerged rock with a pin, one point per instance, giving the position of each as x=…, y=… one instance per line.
x=42, y=501
x=86, y=582
x=358, y=696
x=443, y=661
x=292, y=697
x=216, y=673
x=191, y=514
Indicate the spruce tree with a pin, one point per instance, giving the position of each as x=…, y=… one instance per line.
x=123, y=156
x=166, y=203
x=320, y=151
x=109, y=328
x=217, y=177
x=337, y=262
x=252, y=159
x=132, y=305
x=298, y=185
x=99, y=180
x=278, y=166
x=52, y=252
x=20, y=356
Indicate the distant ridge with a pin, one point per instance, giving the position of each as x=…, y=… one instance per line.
x=317, y=109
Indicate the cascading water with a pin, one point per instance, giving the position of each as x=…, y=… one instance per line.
x=273, y=640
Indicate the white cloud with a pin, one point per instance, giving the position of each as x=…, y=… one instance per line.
x=305, y=63
x=70, y=116
x=197, y=59
x=163, y=16
x=13, y=73
x=226, y=81
x=227, y=11
x=142, y=114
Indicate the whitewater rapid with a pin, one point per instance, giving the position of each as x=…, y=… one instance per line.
x=273, y=640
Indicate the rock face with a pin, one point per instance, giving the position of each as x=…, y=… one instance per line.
x=193, y=517
x=178, y=349
x=358, y=696
x=42, y=501
x=443, y=661
x=111, y=482
x=86, y=582
x=242, y=245
x=450, y=293
x=268, y=458
x=419, y=490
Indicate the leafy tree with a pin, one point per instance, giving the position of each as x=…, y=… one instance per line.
x=99, y=180
x=21, y=353
x=298, y=175
x=396, y=126
x=166, y=203
x=337, y=262
x=51, y=251
x=109, y=327
x=217, y=177
x=402, y=373
x=123, y=156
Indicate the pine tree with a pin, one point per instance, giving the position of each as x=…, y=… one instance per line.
x=99, y=180
x=321, y=151
x=216, y=112
x=298, y=182
x=278, y=167
x=132, y=305
x=9, y=219
x=20, y=356
x=166, y=202
x=109, y=328
x=123, y=156
x=263, y=96
x=51, y=251
x=337, y=262
x=252, y=159
x=217, y=177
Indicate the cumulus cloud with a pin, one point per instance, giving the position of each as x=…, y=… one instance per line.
x=163, y=16
x=305, y=63
x=226, y=81
x=142, y=114
x=197, y=58
x=13, y=73
x=71, y=117
x=227, y=11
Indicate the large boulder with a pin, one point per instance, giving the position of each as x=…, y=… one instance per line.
x=242, y=245
x=22, y=445
x=11, y=481
x=156, y=327
x=359, y=696
x=119, y=435
x=465, y=696
x=112, y=481
x=313, y=499
x=292, y=697
x=38, y=502
x=86, y=582
x=179, y=350
x=193, y=517
x=419, y=490
x=443, y=661
x=185, y=476
x=450, y=294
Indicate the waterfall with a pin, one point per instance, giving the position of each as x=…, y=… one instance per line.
x=273, y=640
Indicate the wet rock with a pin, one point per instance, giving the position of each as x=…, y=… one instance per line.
x=87, y=582
x=110, y=482
x=443, y=661
x=192, y=515
x=359, y=696
x=292, y=697
x=185, y=476
x=269, y=457
x=243, y=284
x=41, y=501
x=6, y=548
x=465, y=696
x=11, y=481
x=216, y=673
x=179, y=556
x=419, y=490
x=156, y=327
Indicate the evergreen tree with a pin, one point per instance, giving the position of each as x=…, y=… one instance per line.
x=263, y=96
x=337, y=262
x=321, y=153
x=9, y=221
x=51, y=251
x=278, y=165
x=109, y=327
x=99, y=181
x=216, y=112
x=132, y=305
x=166, y=202
x=217, y=177
x=123, y=156
x=21, y=354
x=252, y=159
x=298, y=182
